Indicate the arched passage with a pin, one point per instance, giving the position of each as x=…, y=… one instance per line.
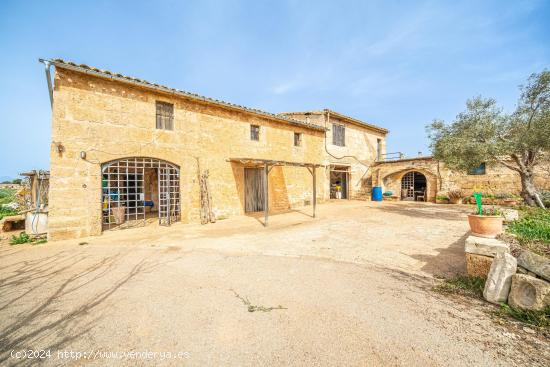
x=135, y=189
x=392, y=180
x=414, y=186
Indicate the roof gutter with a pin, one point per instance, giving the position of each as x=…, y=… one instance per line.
x=47, y=66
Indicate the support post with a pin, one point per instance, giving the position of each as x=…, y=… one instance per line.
x=314, y=190
x=266, y=198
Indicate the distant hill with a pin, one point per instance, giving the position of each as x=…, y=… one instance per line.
x=6, y=178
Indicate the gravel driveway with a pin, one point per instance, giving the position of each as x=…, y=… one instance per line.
x=351, y=287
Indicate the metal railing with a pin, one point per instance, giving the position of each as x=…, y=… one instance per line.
x=390, y=156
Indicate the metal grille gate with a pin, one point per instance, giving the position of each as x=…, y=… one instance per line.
x=407, y=186
x=123, y=196
x=169, y=195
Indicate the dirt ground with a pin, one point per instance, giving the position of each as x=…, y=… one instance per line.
x=350, y=287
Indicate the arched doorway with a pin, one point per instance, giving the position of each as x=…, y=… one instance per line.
x=137, y=189
x=414, y=186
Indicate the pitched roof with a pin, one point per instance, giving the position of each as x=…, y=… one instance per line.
x=83, y=68
x=342, y=117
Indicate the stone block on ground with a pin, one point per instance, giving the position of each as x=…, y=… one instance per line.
x=499, y=279
x=537, y=264
x=485, y=246
x=510, y=215
x=529, y=293
x=478, y=265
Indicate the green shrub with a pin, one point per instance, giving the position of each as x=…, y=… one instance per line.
x=534, y=225
x=7, y=196
x=6, y=212
x=22, y=238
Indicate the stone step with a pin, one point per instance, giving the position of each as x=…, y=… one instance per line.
x=485, y=246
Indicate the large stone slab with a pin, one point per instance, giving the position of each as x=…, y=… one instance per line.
x=510, y=215
x=478, y=265
x=485, y=246
x=529, y=293
x=499, y=279
x=537, y=264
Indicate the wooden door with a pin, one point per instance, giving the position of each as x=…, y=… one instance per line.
x=254, y=189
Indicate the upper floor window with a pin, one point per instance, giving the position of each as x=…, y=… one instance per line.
x=479, y=170
x=297, y=139
x=165, y=116
x=379, y=149
x=254, y=132
x=339, y=135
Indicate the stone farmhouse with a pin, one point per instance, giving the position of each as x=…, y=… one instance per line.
x=126, y=152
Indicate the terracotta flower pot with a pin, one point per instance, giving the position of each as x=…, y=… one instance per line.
x=485, y=225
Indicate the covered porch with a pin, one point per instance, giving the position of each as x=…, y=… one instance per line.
x=256, y=190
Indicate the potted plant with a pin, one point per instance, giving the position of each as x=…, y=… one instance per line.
x=442, y=199
x=338, y=191
x=455, y=196
x=511, y=200
x=489, y=199
x=485, y=222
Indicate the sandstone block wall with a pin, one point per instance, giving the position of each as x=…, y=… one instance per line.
x=496, y=180
x=360, y=142
x=110, y=120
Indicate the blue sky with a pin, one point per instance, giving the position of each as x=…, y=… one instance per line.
x=396, y=64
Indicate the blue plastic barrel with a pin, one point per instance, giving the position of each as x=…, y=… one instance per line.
x=377, y=193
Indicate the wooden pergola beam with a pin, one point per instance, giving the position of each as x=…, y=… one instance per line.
x=268, y=165
x=271, y=162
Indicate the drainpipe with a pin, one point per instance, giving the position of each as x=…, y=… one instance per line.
x=47, y=66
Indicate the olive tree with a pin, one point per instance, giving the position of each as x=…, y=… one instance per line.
x=484, y=133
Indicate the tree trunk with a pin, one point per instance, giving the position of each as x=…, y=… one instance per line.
x=528, y=190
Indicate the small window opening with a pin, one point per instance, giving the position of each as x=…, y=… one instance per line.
x=254, y=132
x=479, y=170
x=339, y=135
x=165, y=116
x=297, y=139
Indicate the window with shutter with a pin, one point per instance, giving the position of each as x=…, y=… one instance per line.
x=165, y=116
x=254, y=132
x=297, y=139
x=339, y=135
